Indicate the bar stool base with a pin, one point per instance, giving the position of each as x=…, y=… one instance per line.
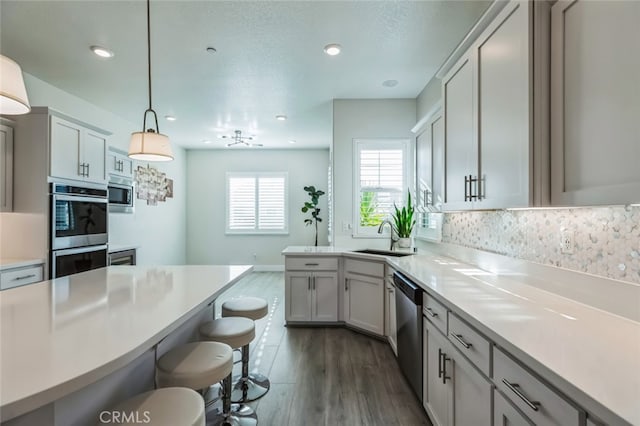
x=255, y=387
x=240, y=415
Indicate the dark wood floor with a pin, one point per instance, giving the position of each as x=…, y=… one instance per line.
x=322, y=376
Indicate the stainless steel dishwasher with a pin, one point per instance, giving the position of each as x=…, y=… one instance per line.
x=409, y=328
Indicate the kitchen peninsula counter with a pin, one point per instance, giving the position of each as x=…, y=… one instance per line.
x=61, y=335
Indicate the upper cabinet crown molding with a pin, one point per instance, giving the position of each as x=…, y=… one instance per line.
x=461, y=49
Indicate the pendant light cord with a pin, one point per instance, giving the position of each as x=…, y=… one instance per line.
x=150, y=109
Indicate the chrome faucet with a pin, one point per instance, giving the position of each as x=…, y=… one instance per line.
x=380, y=229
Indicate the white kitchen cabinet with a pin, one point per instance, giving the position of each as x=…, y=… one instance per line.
x=119, y=164
x=461, y=147
x=311, y=294
x=455, y=392
x=364, y=291
x=532, y=396
x=22, y=275
x=6, y=168
x=595, y=103
x=494, y=150
x=506, y=414
x=77, y=152
x=439, y=387
x=390, y=314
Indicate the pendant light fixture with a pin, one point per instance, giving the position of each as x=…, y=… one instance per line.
x=150, y=144
x=13, y=94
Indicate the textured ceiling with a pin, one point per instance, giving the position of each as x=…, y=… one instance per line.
x=269, y=58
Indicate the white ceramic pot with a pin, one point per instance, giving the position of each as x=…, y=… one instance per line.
x=404, y=242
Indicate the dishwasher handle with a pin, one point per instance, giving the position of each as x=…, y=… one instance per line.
x=408, y=287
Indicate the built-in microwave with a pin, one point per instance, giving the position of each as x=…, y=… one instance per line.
x=121, y=195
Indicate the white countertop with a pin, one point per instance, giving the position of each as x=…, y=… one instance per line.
x=337, y=251
x=9, y=263
x=591, y=355
x=60, y=335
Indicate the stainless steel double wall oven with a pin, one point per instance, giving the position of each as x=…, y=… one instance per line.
x=79, y=227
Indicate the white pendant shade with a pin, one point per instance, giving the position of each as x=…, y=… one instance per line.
x=13, y=94
x=150, y=146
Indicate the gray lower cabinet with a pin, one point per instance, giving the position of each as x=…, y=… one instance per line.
x=504, y=414
x=456, y=393
x=311, y=296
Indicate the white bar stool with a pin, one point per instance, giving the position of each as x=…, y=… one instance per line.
x=249, y=386
x=199, y=365
x=160, y=407
x=236, y=332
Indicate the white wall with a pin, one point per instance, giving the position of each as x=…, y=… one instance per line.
x=206, y=171
x=362, y=119
x=159, y=230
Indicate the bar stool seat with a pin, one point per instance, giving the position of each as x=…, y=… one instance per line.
x=248, y=307
x=234, y=331
x=194, y=365
x=199, y=365
x=160, y=407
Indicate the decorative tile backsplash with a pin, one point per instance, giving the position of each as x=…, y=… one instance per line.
x=606, y=239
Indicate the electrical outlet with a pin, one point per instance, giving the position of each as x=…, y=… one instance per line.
x=566, y=241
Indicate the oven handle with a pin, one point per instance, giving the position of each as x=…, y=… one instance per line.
x=78, y=250
x=58, y=197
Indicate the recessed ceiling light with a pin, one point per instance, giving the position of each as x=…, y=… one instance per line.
x=390, y=83
x=292, y=141
x=332, y=49
x=103, y=52
x=211, y=49
x=170, y=118
x=207, y=141
x=281, y=117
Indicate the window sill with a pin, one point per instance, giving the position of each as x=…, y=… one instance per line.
x=253, y=233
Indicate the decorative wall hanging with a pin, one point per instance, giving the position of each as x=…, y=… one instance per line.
x=152, y=185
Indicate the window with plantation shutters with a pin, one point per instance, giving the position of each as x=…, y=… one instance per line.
x=257, y=203
x=381, y=179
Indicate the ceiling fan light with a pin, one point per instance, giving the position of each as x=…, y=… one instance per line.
x=13, y=93
x=150, y=146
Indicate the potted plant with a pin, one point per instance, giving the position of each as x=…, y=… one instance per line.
x=312, y=206
x=403, y=222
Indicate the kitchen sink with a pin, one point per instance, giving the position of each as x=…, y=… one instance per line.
x=383, y=252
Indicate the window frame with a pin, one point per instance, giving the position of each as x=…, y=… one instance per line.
x=383, y=143
x=256, y=230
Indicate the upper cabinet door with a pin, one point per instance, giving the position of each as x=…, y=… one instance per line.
x=504, y=80
x=95, y=151
x=461, y=152
x=595, y=104
x=66, y=150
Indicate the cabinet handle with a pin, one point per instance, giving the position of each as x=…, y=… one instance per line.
x=462, y=342
x=311, y=264
x=308, y=283
x=346, y=284
x=24, y=277
x=80, y=169
x=430, y=312
x=513, y=387
x=313, y=285
x=442, y=365
x=466, y=186
x=88, y=169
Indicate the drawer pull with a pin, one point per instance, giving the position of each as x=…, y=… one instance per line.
x=311, y=264
x=346, y=284
x=462, y=342
x=24, y=277
x=513, y=387
x=430, y=312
